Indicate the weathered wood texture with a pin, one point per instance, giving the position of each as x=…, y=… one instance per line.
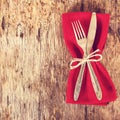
x=34, y=60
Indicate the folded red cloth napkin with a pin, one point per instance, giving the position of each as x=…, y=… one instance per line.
x=87, y=94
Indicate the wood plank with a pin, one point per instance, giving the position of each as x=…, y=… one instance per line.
x=34, y=60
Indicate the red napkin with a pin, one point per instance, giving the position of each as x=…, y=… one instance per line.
x=87, y=94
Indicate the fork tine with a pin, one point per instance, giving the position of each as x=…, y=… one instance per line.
x=82, y=29
x=74, y=31
x=79, y=30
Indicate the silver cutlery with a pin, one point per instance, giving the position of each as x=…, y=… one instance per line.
x=86, y=44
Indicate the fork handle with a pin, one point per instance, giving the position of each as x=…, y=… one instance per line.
x=79, y=82
x=95, y=82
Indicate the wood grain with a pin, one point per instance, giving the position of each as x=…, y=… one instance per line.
x=34, y=60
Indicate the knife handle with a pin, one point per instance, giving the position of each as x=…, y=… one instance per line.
x=79, y=82
x=95, y=82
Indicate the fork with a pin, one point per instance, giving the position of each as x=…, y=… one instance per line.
x=82, y=42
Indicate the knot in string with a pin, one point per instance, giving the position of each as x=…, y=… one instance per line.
x=86, y=59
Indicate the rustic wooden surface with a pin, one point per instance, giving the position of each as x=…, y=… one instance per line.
x=34, y=60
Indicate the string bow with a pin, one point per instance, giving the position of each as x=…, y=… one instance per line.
x=90, y=58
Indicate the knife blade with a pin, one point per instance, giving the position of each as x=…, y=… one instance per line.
x=91, y=32
x=90, y=41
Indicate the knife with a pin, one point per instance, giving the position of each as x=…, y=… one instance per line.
x=90, y=41
x=91, y=32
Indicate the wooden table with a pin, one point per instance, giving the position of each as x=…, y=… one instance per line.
x=34, y=61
